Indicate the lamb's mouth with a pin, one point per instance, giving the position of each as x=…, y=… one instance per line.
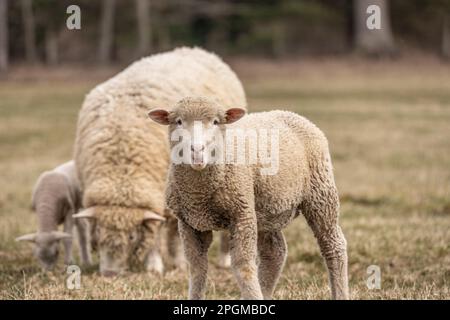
x=197, y=161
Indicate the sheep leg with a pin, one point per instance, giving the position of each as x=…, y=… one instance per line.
x=174, y=248
x=91, y=227
x=83, y=231
x=272, y=252
x=68, y=252
x=321, y=213
x=224, y=252
x=196, y=245
x=243, y=256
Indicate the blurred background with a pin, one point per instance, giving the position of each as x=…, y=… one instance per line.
x=34, y=31
x=382, y=97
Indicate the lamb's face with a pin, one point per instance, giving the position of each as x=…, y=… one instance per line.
x=123, y=235
x=46, y=246
x=198, y=138
x=196, y=128
x=46, y=251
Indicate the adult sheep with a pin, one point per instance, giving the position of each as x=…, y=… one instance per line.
x=250, y=200
x=122, y=158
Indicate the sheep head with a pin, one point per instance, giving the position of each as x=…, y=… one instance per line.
x=46, y=246
x=196, y=130
x=123, y=235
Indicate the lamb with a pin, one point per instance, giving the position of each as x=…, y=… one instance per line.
x=122, y=159
x=253, y=203
x=56, y=197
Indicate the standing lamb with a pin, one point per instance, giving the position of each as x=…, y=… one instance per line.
x=252, y=201
x=56, y=198
x=122, y=158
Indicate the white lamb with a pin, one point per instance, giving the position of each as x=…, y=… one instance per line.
x=253, y=203
x=56, y=197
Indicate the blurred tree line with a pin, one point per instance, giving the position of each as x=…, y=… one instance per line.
x=122, y=30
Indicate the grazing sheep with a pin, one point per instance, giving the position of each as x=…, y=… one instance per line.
x=249, y=200
x=56, y=197
x=122, y=159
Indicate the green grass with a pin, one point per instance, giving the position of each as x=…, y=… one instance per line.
x=389, y=132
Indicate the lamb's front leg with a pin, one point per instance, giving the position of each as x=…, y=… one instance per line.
x=243, y=240
x=196, y=245
x=68, y=251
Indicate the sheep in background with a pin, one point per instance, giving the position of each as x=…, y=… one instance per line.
x=122, y=158
x=56, y=197
x=252, y=205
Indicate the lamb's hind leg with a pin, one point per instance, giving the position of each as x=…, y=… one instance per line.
x=272, y=251
x=321, y=212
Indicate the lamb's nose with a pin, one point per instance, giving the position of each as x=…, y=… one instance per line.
x=197, y=147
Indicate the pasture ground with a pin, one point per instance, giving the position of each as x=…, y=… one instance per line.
x=388, y=125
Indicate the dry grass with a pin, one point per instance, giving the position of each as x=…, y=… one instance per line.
x=389, y=129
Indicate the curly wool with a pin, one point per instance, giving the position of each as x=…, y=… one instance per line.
x=119, y=218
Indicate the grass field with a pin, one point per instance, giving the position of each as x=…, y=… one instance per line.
x=388, y=124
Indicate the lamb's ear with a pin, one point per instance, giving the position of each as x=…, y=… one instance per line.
x=28, y=237
x=86, y=213
x=59, y=235
x=160, y=116
x=150, y=215
x=233, y=115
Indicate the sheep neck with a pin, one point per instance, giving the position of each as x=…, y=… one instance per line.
x=49, y=215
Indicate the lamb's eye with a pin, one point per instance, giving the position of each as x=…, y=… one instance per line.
x=179, y=122
x=216, y=122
